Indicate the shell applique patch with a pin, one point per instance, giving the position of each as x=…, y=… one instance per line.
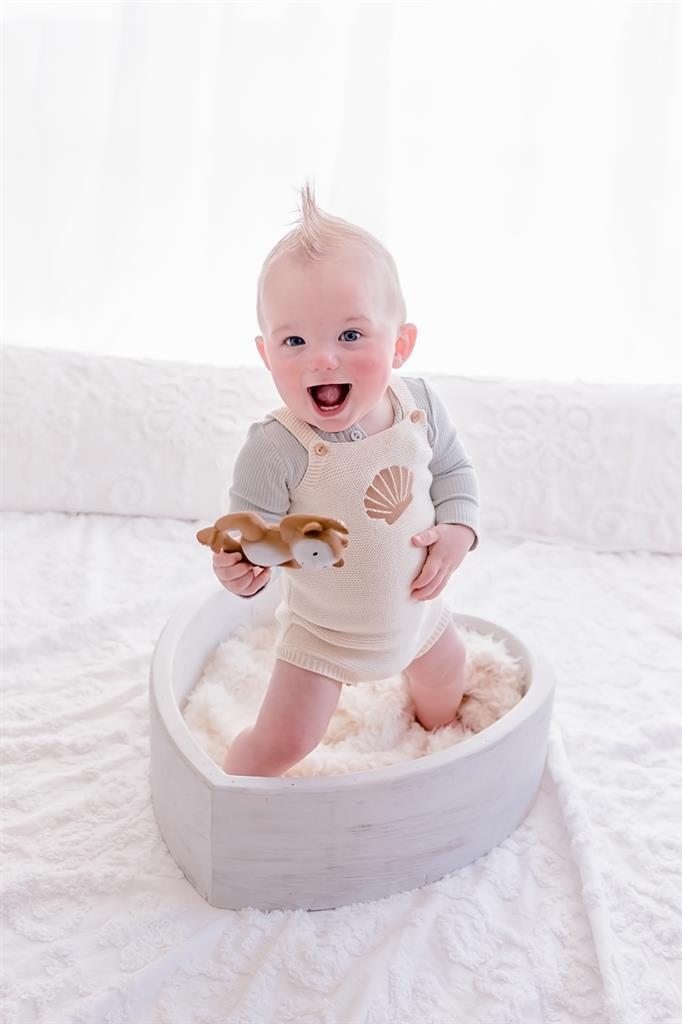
x=389, y=493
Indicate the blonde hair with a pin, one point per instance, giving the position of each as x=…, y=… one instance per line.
x=318, y=235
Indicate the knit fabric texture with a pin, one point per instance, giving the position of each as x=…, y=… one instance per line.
x=359, y=621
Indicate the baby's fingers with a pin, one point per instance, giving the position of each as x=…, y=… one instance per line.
x=231, y=566
x=236, y=574
x=432, y=589
x=225, y=559
x=428, y=572
x=232, y=570
x=259, y=578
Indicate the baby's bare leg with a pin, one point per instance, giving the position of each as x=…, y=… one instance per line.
x=436, y=680
x=291, y=722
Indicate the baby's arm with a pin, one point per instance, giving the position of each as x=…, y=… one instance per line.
x=259, y=484
x=454, y=492
x=454, y=489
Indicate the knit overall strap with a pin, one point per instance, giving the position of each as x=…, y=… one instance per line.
x=304, y=433
x=301, y=430
x=403, y=393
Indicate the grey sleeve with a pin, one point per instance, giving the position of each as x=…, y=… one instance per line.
x=454, y=490
x=260, y=479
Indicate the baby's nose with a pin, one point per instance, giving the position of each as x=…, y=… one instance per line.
x=324, y=359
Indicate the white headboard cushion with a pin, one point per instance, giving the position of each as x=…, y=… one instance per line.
x=594, y=465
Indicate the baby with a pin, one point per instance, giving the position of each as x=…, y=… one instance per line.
x=359, y=442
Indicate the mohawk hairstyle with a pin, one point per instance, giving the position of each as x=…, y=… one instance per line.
x=318, y=235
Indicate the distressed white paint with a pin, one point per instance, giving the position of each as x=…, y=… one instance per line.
x=321, y=842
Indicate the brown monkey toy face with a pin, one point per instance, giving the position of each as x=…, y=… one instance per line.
x=316, y=542
x=312, y=552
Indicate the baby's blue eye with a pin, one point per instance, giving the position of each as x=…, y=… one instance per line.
x=293, y=341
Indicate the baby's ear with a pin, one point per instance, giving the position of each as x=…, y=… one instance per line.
x=260, y=345
x=404, y=344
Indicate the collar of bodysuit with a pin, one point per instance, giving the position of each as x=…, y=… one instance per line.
x=355, y=432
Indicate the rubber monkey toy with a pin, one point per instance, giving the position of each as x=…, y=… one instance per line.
x=298, y=541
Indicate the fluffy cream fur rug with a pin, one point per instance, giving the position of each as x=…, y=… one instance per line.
x=373, y=725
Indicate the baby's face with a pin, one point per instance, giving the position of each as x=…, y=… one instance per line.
x=330, y=336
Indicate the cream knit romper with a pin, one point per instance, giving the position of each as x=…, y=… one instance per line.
x=358, y=622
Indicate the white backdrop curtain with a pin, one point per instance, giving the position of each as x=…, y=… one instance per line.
x=520, y=160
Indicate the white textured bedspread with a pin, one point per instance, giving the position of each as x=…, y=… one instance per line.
x=574, y=918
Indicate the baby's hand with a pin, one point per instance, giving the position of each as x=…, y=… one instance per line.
x=448, y=543
x=238, y=575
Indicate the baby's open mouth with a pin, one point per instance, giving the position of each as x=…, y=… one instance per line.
x=329, y=397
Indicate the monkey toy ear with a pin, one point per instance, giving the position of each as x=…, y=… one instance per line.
x=296, y=523
x=328, y=523
x=312, y=527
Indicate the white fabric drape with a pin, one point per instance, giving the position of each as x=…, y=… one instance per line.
x=521, y=162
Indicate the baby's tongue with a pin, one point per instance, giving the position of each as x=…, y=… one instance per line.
x=328, y=394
